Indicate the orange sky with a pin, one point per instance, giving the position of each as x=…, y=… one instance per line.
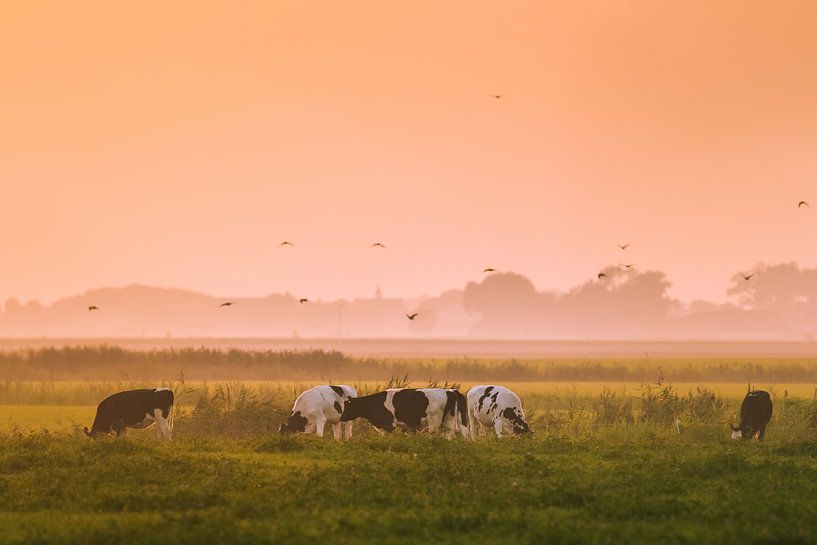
x=176, y=146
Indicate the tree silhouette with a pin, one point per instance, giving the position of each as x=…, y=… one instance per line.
x=508, y=305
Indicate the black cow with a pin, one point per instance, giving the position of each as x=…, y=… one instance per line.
x=755, y=413
x=412, y=409
x=134, y=409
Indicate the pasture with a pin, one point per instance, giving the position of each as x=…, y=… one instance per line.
x=609, y=462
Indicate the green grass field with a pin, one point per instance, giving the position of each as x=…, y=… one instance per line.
x=636, y=485
x=610, y=462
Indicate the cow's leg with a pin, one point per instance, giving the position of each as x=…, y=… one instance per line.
x=347, y=429
x=434, y=423
x=337, y=431
x=472, y=425
x=120, y=428
x=162, y=424
x=761, y=432
x=481, y=429
x=320, y=424
x=450, y=427
x=498, y=426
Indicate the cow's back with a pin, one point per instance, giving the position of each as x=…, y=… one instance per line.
x=136, y=404
x=756, y=406
x=486, y=398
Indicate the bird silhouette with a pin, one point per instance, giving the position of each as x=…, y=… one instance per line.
x=378, y=245
x=497, y=97
x=488, y=270
x=624, y=246
x=630, y=266
x=747, y=276
x=411, y=316
x=227, y=304
x=93, y=307
x=286, y=243
x=801, y=204
x=303, y=300
x=602, y=275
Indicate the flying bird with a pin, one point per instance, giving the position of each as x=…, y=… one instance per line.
x=747, y=276
x=411, y=316
x=801, y=204
x=93, y=307
x=488, y=270
x=497, y=97
x=378, y=245
x=630, y=266
x=602, y=275
x=303, y=300
x=227, y=304
x=624, y=246
x=286, y=243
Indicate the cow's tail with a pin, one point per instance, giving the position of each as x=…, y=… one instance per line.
x=462, y=407
x=457, y=407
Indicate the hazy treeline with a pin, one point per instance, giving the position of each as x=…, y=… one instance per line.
x=777, y=302
x=115, y=363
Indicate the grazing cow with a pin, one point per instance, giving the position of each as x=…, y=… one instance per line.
x=134, y=409
x=755, y=413
x=317, y=406
x=495, y=407
x=412, y=409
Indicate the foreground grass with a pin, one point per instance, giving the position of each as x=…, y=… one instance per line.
x=634, y=485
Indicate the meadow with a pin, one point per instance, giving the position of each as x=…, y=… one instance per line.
x=613, y=459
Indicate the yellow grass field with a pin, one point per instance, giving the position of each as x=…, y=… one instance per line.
x=62, y=406
x=59, y=418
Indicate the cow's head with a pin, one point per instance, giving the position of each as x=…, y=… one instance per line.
x=100, y=425
x=741, y=432
x=295, y=424
x=351, y=409
x=515, y=421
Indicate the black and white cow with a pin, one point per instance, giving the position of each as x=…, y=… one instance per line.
x=755, y=413
x=317, y=406
x=412, y=409
x=495, y=407
x=134, y=409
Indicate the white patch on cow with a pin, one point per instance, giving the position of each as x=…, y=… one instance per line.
x=437, y=399
x=317, y=405
x=161, y=389
x=489, y=414
x=389, y=402
x=737, y=434
x=146, y=422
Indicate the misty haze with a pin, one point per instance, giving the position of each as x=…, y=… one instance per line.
x=777, y=302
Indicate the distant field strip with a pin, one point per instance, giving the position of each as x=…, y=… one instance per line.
x=112, y=363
